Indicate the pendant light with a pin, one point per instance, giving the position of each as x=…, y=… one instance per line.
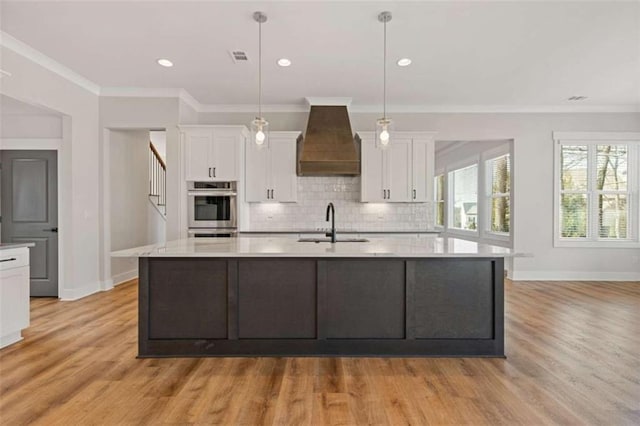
x=260, y=126
x=383, y=125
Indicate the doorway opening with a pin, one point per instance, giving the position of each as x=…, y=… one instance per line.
x=137, y=191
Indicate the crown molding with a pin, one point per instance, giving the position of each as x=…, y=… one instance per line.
x=140, y=92
x=435, y=109
x=190, y=100
x=43, y=60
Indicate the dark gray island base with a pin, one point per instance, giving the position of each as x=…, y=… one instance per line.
x=275, y=306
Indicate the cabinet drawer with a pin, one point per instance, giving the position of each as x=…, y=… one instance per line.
x=14, y=258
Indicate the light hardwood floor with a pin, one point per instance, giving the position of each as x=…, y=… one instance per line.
x=573, y=358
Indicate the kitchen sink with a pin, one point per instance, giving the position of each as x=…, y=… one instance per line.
x=328, y=240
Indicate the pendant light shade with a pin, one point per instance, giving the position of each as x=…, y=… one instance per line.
x=384, y=125
x=260, y=126
x=259, y=130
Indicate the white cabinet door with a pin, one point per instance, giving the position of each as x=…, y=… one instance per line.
x=398, y=170
x=372, y=179
x=283, y=170
x=198, y=152
x=419, y=169
x=256, y=173
x=14, y=294
x=226, y=157
x=423, y=163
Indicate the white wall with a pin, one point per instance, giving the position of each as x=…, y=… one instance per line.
x=133, y=224
x=533, y=178
x=18, y=126
x=79, y=162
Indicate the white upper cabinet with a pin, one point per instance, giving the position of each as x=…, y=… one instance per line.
x=372, y=187
x=213, y=153
x=397, y=161
x=400, y=172
x=257, y=188
x=198, y=153
x=423, y=169
x=271, y=169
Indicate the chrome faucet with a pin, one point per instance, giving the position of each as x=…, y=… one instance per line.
x=332, y=234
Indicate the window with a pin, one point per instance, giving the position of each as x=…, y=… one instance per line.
x=439, y=199
x=464, y=188
x=473, y=191
x=596, y=192
x=499, y=180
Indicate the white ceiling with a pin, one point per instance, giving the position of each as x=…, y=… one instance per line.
x=464, y=53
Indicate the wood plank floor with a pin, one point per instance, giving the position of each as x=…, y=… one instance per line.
x=573, y=358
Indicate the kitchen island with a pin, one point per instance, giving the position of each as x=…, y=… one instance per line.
x=280, y=297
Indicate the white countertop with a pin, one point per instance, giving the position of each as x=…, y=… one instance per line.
x=290, y=247
x=7, y=246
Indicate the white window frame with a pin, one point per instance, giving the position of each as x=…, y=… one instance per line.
x=443, y=173
x=592, y=139
x=450, y=205
x=488, y=156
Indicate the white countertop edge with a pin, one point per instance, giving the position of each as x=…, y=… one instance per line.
x=9, y=246
x=316, y=255
x=284, y=247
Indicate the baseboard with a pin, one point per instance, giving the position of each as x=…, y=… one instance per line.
x=10, y=339
x=573, y=276
x=79, y=293
x=123, y=277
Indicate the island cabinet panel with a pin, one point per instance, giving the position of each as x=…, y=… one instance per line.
x=277, y=299
x=365, y=299
x=188, y=299
x=453, y=299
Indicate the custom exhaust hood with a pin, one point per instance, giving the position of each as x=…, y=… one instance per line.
x=328, y=146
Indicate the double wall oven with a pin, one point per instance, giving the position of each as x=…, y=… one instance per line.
x=212, y=209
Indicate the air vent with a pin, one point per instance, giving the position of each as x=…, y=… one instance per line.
x=239, y=56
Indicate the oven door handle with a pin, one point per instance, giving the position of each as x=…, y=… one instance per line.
x=209, y=193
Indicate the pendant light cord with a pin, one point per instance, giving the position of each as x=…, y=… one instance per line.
x=260, y=69
x=384, y=82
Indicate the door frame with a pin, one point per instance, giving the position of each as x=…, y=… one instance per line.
x=58, y=145
x=106, y=280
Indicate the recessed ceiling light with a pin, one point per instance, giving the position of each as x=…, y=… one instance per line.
x=165, y=62
x=284, y=62
x=577, y=98
x=404, y=62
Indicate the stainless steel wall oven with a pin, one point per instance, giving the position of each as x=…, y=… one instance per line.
x=212, y=208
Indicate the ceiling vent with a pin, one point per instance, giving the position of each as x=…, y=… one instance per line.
x=238, y=56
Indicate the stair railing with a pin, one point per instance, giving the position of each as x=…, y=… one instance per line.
x=157, y=176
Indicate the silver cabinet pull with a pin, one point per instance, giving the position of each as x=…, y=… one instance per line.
x=414, y=194
x=272, y=194
x=214, y=172
x=267, y=194
x=8, y=260
x=209, y=171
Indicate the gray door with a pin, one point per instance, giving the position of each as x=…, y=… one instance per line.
x=30, y=212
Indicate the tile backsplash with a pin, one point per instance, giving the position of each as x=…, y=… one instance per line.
x=314, y=193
